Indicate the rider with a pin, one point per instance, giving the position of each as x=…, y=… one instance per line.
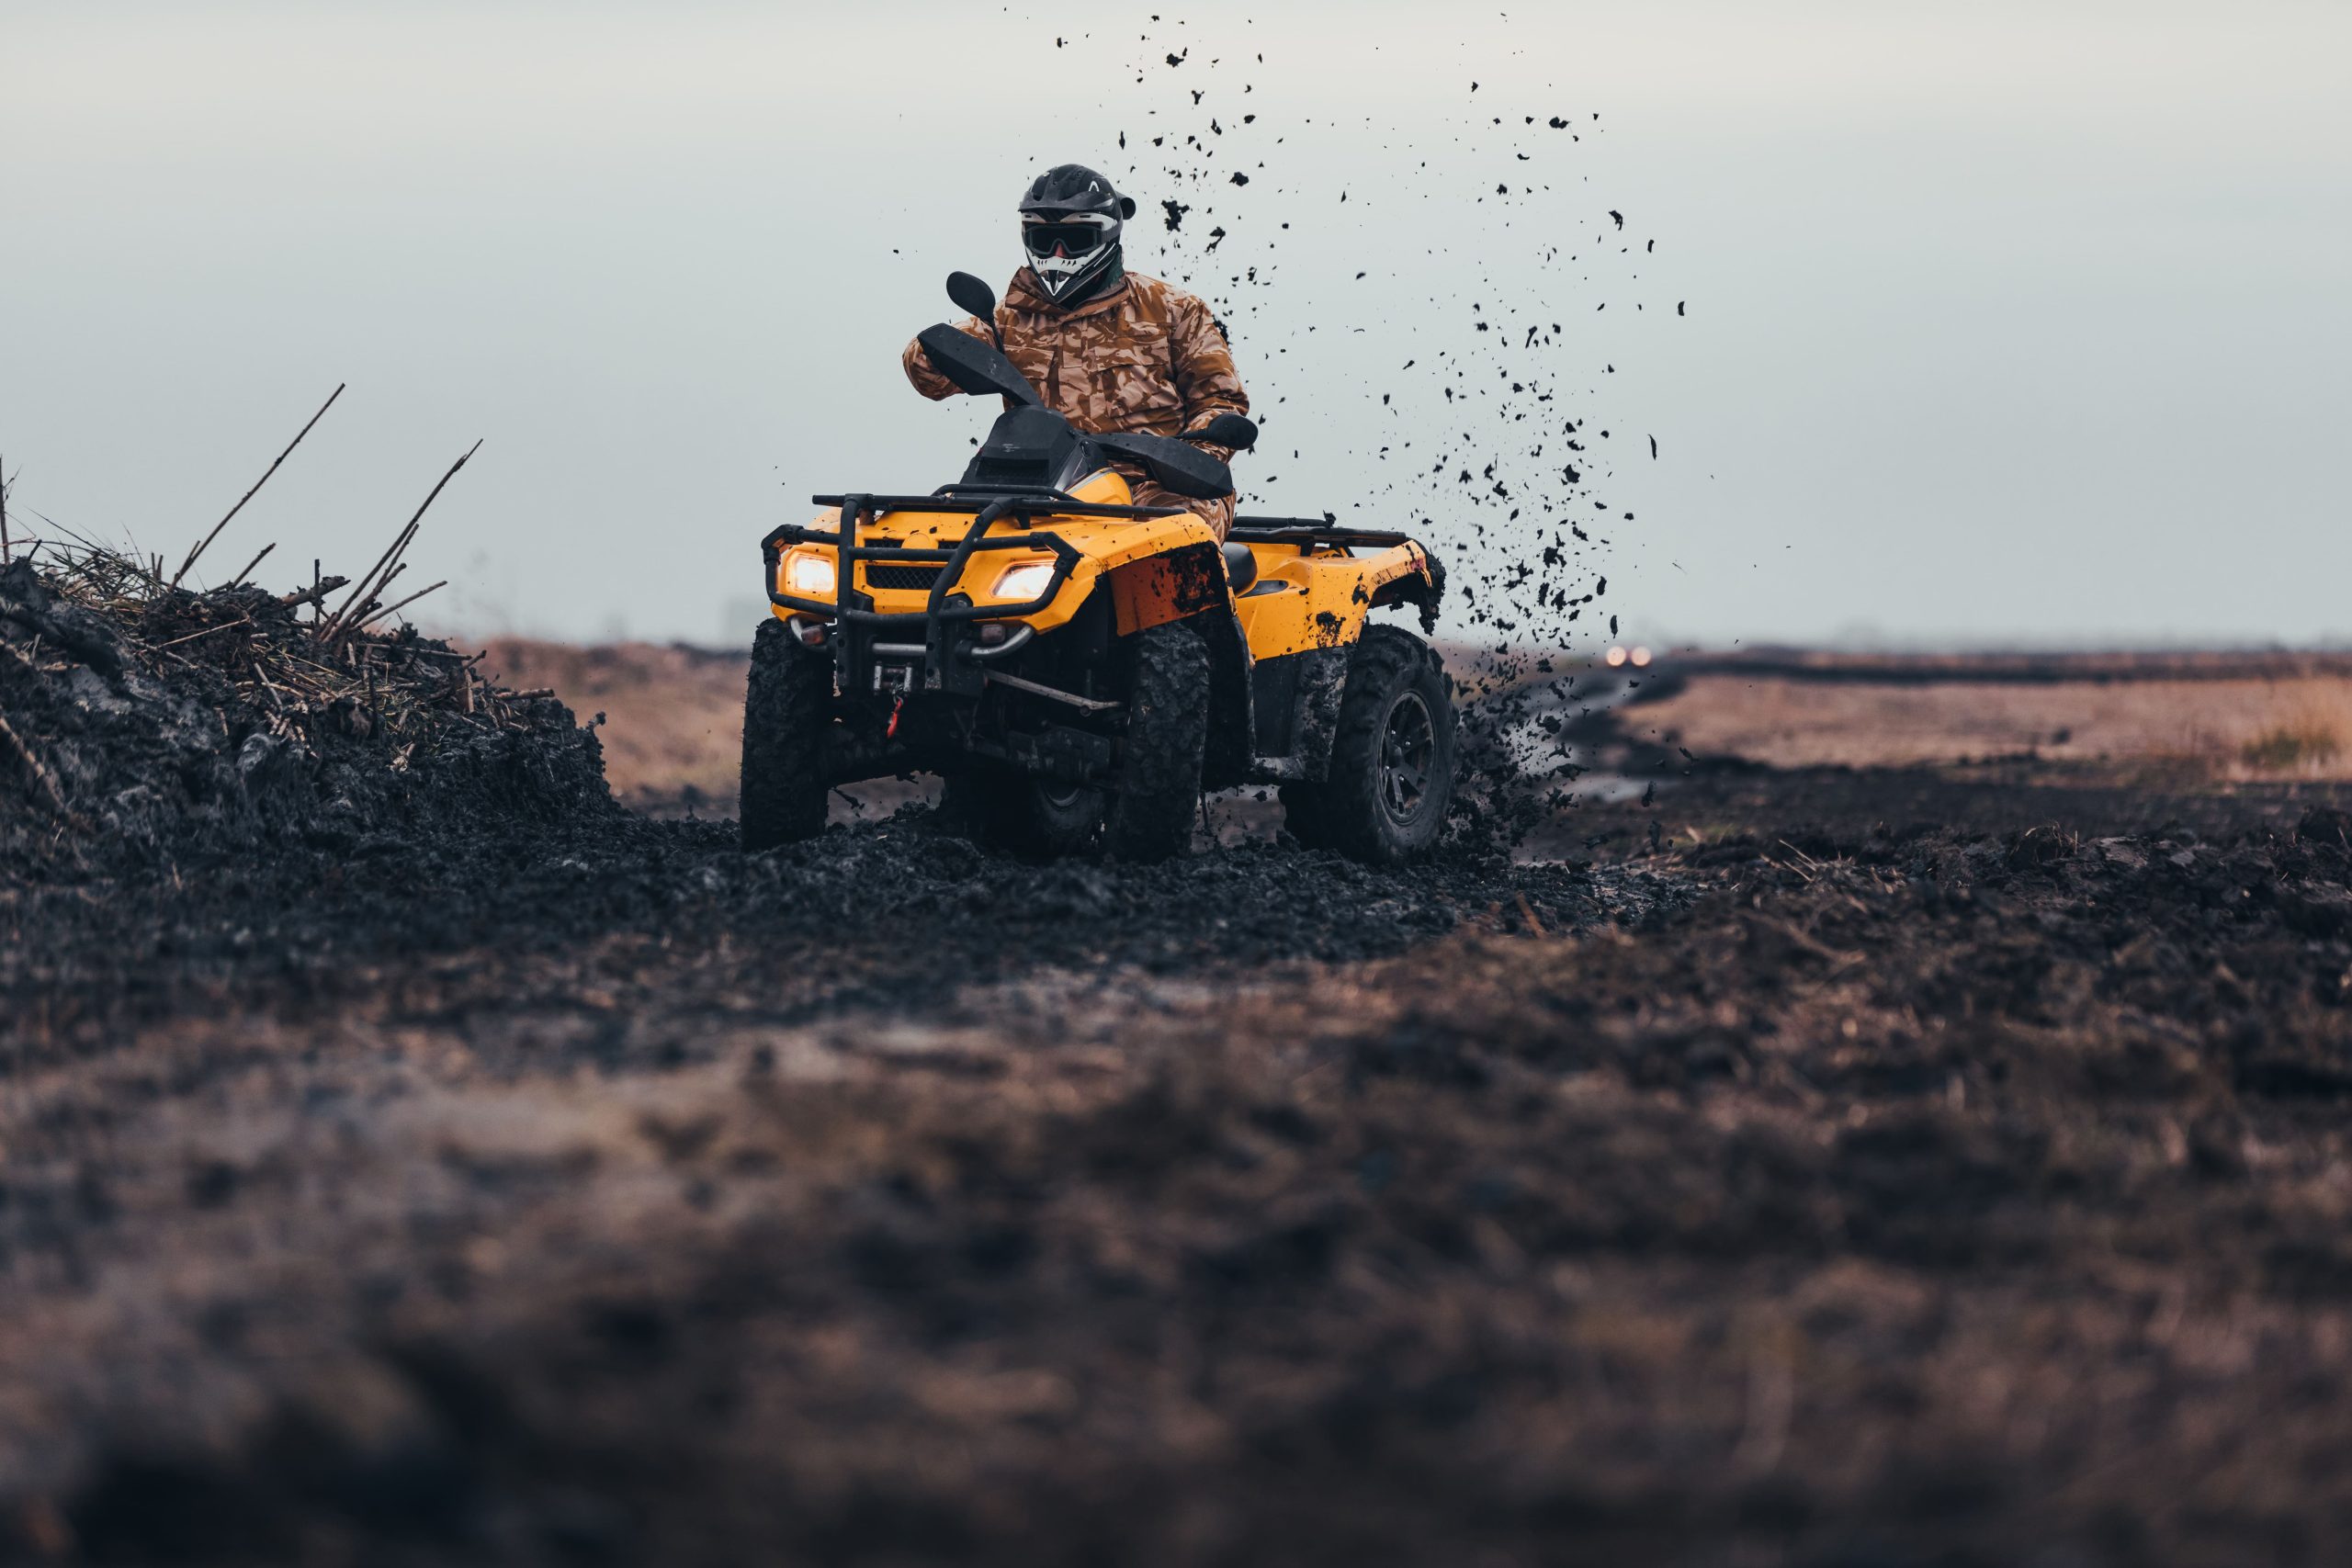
x=1109, y=349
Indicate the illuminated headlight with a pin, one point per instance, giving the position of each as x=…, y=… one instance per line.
x=1023, y=582
x=808, y=574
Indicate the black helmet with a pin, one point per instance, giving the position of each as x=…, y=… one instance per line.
x=1070, y=228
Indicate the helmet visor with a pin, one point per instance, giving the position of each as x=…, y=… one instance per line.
x=1071, y=236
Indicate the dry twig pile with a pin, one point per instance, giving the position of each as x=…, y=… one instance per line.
x=139, y=711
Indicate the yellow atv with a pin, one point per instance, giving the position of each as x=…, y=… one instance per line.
x=1081, y=669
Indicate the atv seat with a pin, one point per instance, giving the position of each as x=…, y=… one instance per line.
x=1241, y=568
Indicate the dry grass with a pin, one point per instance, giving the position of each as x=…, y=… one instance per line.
x=2304, y=745
x=2294, y=727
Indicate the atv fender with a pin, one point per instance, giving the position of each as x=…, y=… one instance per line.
x=1318, y=598
x=1422, y=585
x=1302, y=622
x=1163, y=588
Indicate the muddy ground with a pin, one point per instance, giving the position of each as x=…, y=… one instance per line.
x=1872, y=1166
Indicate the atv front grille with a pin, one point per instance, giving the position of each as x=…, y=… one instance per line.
x=904, y=579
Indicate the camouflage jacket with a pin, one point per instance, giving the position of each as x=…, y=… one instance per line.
x=1145, y=357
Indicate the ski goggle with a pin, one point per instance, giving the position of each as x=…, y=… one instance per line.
x=1074, y=238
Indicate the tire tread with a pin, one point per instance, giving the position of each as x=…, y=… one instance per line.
x=1341, y=811
x=1151, y=812
x=787, y=706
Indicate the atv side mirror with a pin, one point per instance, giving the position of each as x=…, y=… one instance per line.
x=973, y=365
x=1237, y=431
x=969, y=293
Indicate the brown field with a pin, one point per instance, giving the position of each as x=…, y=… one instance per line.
x=674, y=715
x=2225, y=727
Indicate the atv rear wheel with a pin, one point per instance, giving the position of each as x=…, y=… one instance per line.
x=786, y=711
x=1008, y=809
x=1158, y=791
x=1391, y=774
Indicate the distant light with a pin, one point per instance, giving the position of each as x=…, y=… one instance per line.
x=1641, y=657
x=1615, y=655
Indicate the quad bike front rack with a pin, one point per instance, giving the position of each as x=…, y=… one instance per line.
x=860, y=625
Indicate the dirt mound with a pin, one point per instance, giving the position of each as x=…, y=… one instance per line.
x=674, y=733
x=141, y=722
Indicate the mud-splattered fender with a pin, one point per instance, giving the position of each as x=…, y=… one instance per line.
x=1167, y=587
x=1421, y=586
x=1318, y=597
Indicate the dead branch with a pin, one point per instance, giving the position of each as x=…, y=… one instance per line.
x=314, y=594
x=367, y=583
x=208, y=538
x=252, y=563
x=269, y=686
x=333, y=627
x=206, y=632
x=363, y=626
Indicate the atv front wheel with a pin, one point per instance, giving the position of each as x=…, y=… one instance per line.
x=1008, y=809
x=1158, y=791
x=786, y=711
x=1391, y=774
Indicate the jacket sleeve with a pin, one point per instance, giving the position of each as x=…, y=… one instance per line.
x=928, y=381
x=1205, y=373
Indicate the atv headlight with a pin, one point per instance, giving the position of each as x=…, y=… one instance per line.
x=1025, y=580
x=808, y=574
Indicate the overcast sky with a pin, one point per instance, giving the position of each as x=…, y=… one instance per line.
x=2022, y=323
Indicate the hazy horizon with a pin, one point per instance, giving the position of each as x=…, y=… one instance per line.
x=2005, y=324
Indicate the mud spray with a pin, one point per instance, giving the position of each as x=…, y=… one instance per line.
x=1477, y=415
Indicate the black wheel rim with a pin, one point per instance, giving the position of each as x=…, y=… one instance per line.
x=1408, y=747
x=1061, y=796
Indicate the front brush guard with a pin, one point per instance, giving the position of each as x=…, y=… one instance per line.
x=859, y=625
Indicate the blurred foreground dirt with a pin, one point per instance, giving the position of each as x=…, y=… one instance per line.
x=1872, y=1164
